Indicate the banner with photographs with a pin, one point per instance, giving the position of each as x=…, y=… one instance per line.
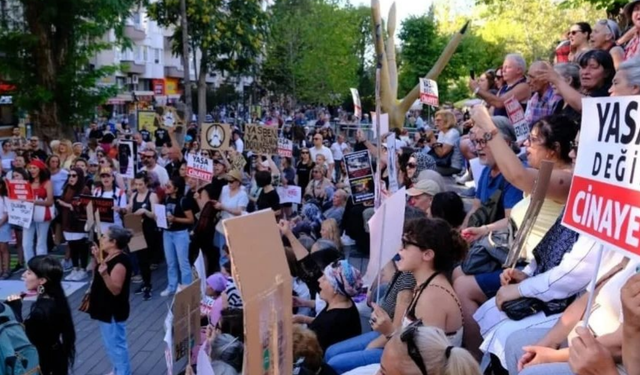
x=127, y=151
x=360, y=176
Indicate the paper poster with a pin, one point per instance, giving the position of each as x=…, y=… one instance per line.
x=262, y=273
x=261, y=139
x=126, y=154
x=290, y=194
x=392, y=169
x=516, y=116
x=201, y=271
x=384, y=125
x=357, y=105
x=385, y=233
x=168, y=339
x=168, y=116
x=186, y=324
x=360, y=176
x=134, y=224
x=20, y=212
x=238, y=162
x=199, y=167
x=285, y=147
x=604, y=200
x=160, y=210
x=103, y=206
x=215, y=137
x=20, y=190
x=146, y=120
x=429, y=92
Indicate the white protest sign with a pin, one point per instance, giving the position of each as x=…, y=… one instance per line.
x=20, y=213
x=604, y=201
x=202, y=274
x=357, y=105
x=199, y=167
x=384, y=123
x=385, y=233
x=285, y=147
x=391, y=163
x=160, y=210
x=290, y=194
x=429, y=92
x=516, y=116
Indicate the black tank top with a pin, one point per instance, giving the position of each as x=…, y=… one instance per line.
x=411, y=311
x=501, y=93
x=146, y=204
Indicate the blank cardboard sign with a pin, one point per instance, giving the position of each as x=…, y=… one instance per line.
x=261, y=271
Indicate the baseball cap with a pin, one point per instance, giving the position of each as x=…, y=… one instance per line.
x=428, y=187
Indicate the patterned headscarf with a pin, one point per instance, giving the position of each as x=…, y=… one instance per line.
x=344, y=278
x=423, y=162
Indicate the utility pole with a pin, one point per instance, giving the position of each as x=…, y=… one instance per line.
x=185, y=61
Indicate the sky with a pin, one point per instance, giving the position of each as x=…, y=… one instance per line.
x=404, y=8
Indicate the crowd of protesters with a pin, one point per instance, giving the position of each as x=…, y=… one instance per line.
x=446, y=301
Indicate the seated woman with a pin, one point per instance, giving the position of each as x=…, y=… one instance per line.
x=320, y=188
x=446, y=148
x=543, y=351
x=550, y=139
x=422, y=350
x=340, y=319
x=418, y=162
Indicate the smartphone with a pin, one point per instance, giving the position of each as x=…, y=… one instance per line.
x=472, y=74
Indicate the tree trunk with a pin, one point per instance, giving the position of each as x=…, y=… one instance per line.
x=185, y=61
x=202, y=90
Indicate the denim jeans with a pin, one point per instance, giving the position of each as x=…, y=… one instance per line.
x=350, y=354
x=114, y=336
x=176, y=252
x=28, y=241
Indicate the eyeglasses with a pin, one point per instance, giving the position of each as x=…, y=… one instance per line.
x=411, y=165
x=304, y=152
x=479, y=142
x=408, y=337
x=147, y=157
x=407, y=242
x=105, y=175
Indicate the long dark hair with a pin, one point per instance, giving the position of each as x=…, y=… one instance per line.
x=49, y=268
x=80, y=182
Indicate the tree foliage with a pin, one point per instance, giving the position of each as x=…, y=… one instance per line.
x=48, y=47
x=316, y=50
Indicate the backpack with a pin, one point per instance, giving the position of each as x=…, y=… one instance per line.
x=17, y=355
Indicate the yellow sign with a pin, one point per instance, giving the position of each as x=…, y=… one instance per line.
x=171, y=86
x=146, y=119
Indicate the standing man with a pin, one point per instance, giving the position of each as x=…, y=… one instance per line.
x=338, y=149
x=319, y=148
x=515, y=85
x=150, y=163
x=35, y=150
x=237, y=139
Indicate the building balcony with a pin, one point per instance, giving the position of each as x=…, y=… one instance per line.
x=173, y=72
x=130, y=66
x=134, y=32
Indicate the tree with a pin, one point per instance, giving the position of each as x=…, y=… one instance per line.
x=48, y=47
x=225, y=35
x=315, y=51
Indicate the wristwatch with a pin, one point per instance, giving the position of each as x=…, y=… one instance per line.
x=489, y=135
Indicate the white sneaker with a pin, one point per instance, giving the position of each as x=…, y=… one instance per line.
x=464, y=178
x=67, y=265
x=166, y=293
x=72, y=276
x=81, y=275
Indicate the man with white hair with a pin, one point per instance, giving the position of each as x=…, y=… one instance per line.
x=515, y=85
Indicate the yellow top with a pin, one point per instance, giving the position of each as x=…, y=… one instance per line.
x=548, y=215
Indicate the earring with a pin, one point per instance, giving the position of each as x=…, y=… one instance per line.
x=40, y=289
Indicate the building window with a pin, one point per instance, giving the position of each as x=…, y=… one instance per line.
x=157, y=55
x=145, y=53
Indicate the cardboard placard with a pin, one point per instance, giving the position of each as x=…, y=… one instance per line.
x=20, y=190
x=147, y=120
x=384, y=124
x=20, y=212
x=199, y=167
x=517, y=118
x=290, y=194
x=357, y=105
x=134, y=223
x=127, y=150
x=103, y=206
x=261, y=139
x=285, y=147
x=604, y=200
x=238, y=162
x=186, y=324
x=215, y=137
x=429, y=92
x=168, y=117
x=262, y=274
x=360, y=176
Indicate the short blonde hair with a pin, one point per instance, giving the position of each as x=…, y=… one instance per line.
x=448, y=117
x=333, y=231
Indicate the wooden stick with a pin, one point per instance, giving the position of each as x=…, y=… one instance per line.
x=99, y=231
x=189, y=334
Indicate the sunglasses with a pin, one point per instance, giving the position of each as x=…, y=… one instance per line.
x=411, y=165
x=304, y=152
x=105, y=175
x=147, y=157
x=574, y=32
x=407, y=242
x=317, y=171
x=73, y=175
x=408, y=337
